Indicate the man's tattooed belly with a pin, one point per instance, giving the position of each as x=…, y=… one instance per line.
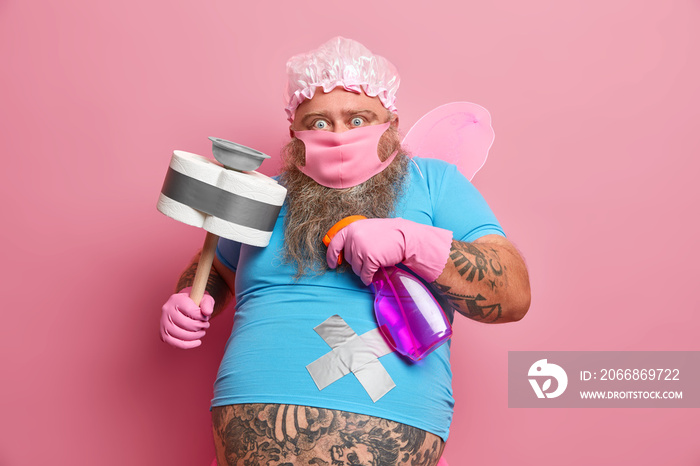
x=289, y=435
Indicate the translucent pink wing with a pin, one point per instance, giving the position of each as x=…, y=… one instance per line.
x=458, y=132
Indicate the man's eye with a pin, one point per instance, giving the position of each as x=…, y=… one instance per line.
x=357, y=121
x=320, y=124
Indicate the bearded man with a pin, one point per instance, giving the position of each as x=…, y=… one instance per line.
x=294, y=304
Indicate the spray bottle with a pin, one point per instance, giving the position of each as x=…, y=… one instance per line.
x=408, y=315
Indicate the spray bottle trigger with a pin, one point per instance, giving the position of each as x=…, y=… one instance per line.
x=339, y=226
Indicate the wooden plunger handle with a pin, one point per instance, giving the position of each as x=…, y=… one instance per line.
x=203, y=268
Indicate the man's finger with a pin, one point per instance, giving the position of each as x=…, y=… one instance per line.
x=206, y=305
x=190, y=309
x=179, y=343
x=335, y=247
x=367, y=272
x=186, y=322
x=183, y=334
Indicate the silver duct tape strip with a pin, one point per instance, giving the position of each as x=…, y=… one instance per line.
x=352, y=353
x=375, y=379
x=220, y=203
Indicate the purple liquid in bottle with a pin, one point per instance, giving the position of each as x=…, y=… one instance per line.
x=407, y=313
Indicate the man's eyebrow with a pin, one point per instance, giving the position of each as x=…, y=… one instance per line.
x=347, y=112
x=311, y=115
x=354, y=112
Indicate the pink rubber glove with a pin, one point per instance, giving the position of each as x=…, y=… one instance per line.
x=182, y=322
x=380, y=242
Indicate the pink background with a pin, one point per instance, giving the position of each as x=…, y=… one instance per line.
x=593, y=174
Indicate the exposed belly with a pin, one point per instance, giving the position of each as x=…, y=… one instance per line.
x=290, y=435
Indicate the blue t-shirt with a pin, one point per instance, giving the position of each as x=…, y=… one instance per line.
x=273, y=337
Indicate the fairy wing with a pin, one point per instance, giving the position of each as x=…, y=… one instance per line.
x=458, y=132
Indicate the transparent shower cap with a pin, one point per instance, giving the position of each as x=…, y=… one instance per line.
x=340, y=62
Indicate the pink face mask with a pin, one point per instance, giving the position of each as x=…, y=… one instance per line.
x=343, y=160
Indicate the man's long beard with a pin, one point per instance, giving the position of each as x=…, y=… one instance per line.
x=312, y=209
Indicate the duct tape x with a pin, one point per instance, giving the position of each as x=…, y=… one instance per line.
x=352, y=353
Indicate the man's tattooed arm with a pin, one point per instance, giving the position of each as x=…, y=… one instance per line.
x=219, y=284
x=486, y=280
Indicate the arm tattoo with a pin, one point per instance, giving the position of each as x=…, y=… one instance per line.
x=480, y=266
x=473, y=307
x=472, y=262
x=216, y=286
